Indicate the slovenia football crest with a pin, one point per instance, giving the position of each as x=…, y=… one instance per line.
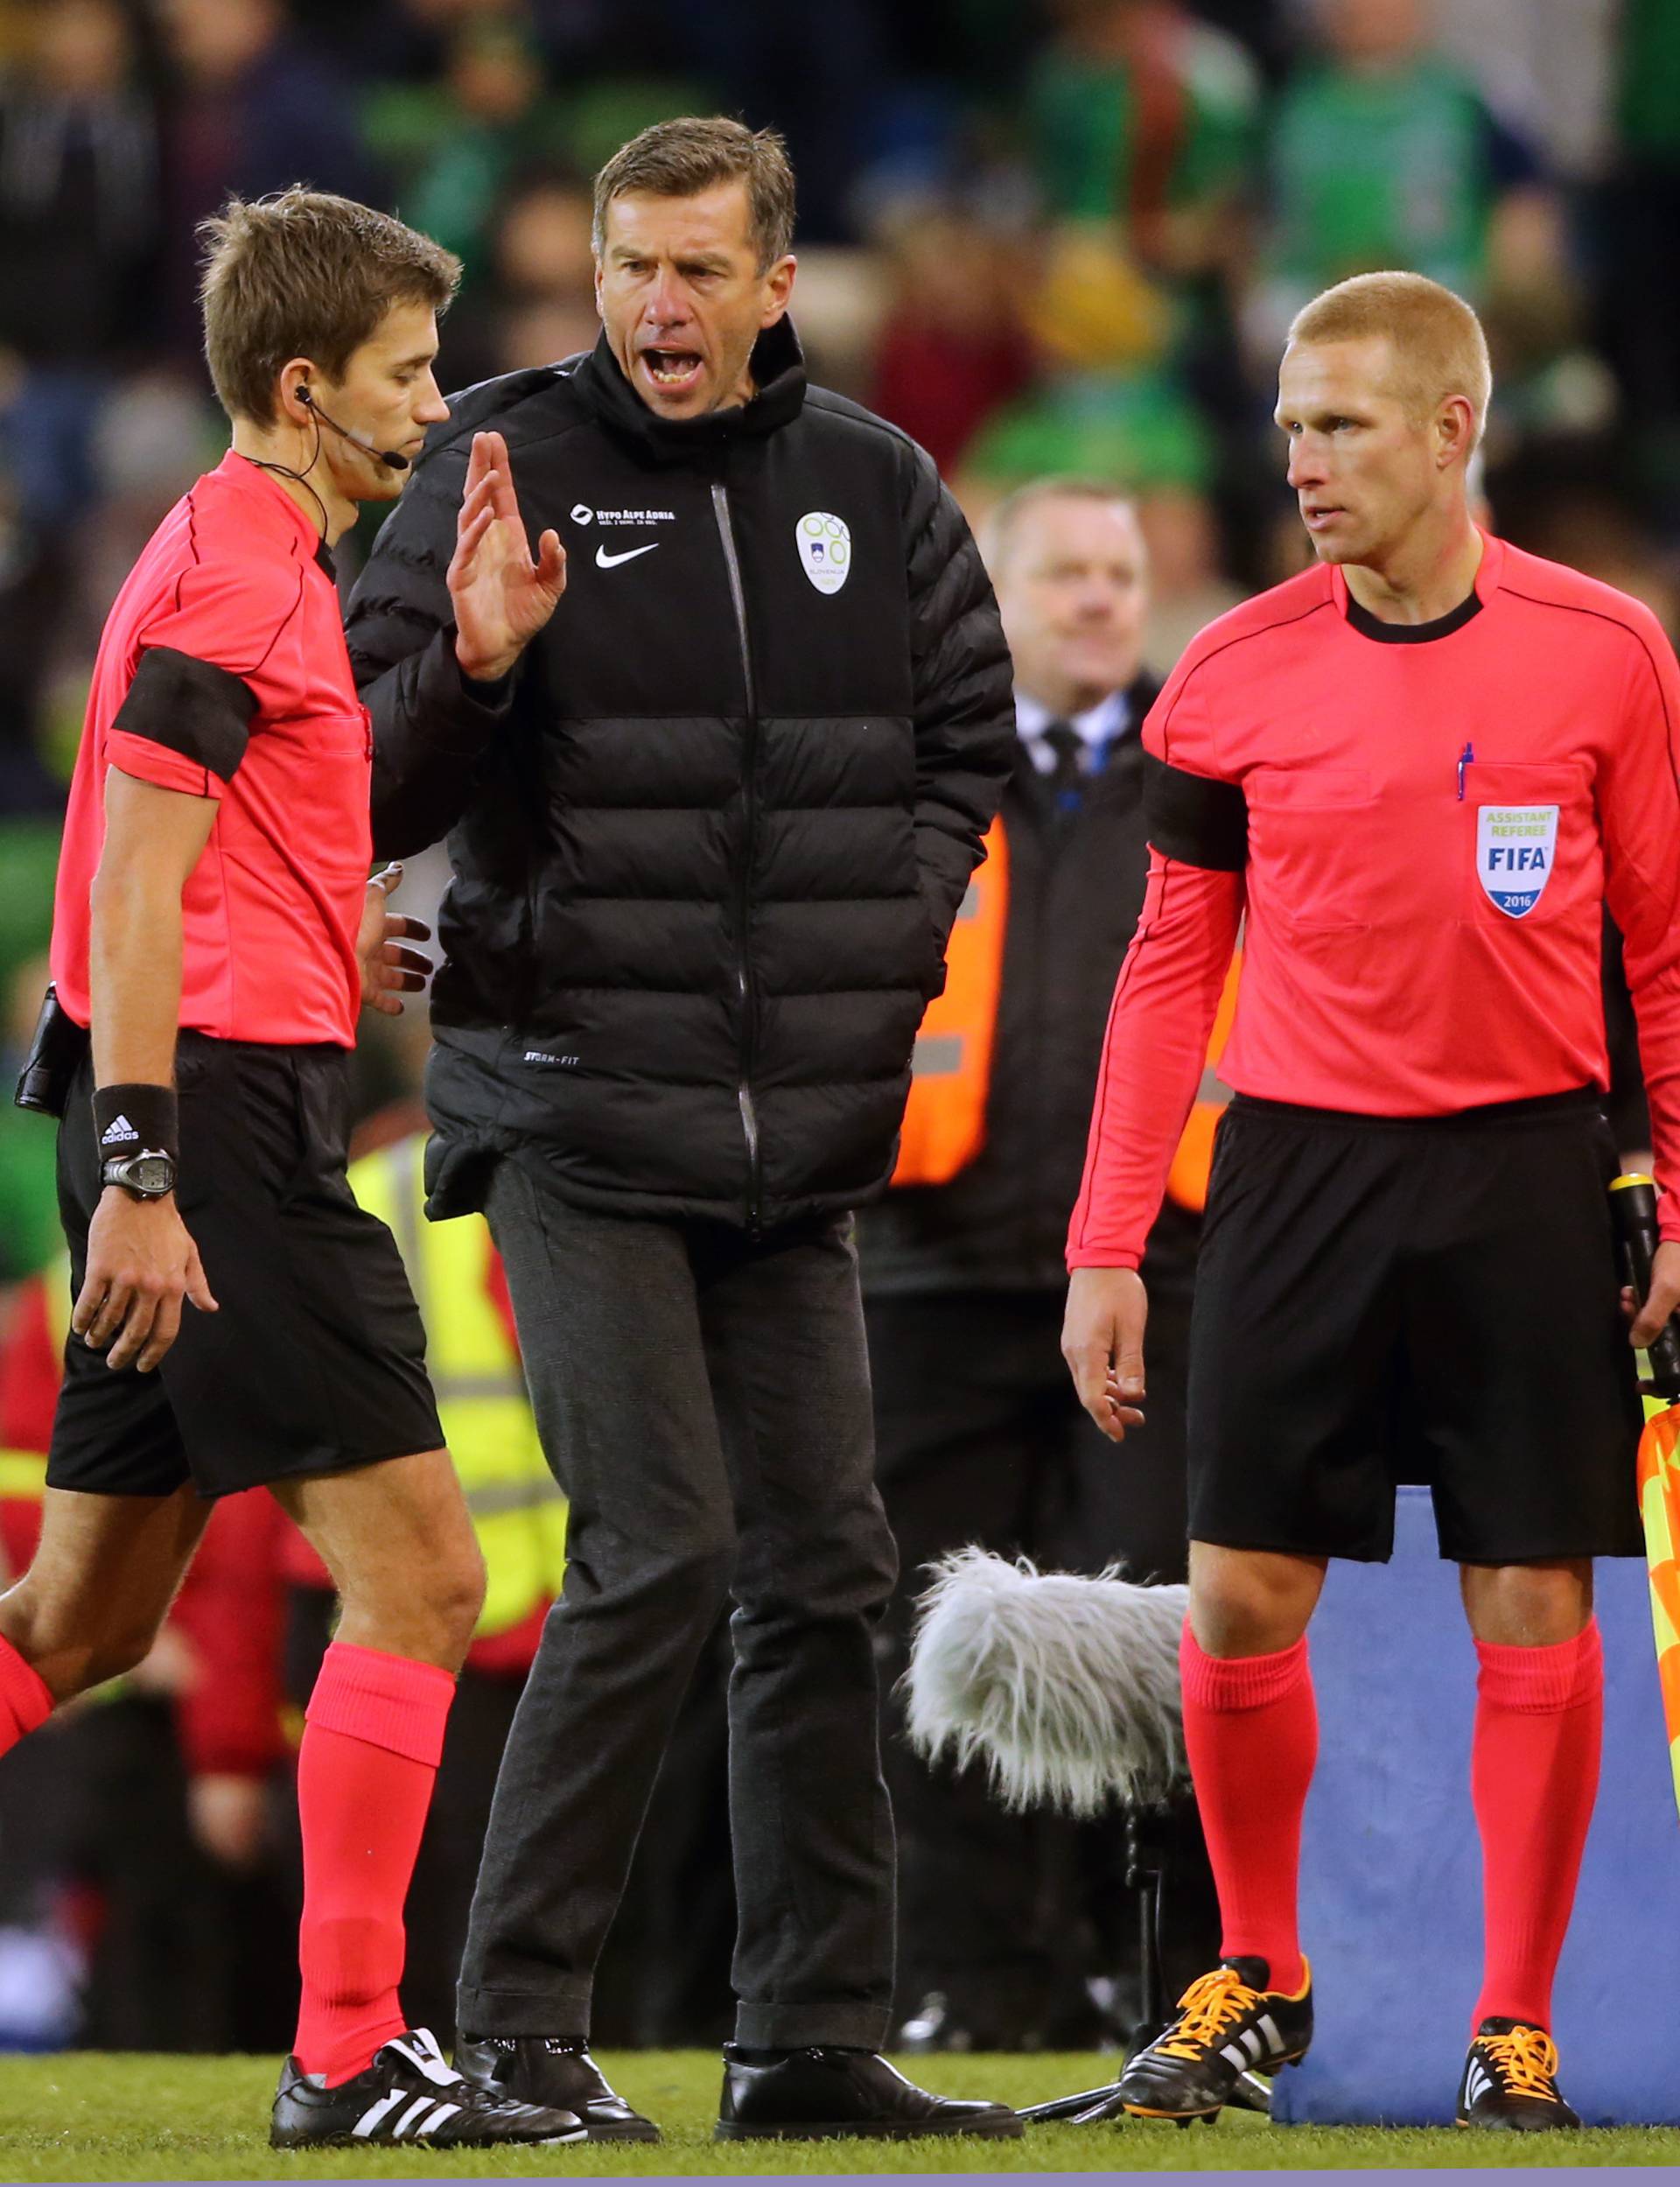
x=1515, y=846
x=824, y=545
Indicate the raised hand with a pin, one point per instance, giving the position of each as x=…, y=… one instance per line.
x=390, y=971
x=501, y=598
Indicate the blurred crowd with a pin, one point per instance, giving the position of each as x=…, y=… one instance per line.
x=1055, y=236
x=1059, y=237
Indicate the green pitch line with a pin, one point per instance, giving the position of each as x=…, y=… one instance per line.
x=88, y=2116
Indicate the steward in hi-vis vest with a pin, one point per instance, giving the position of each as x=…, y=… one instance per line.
x=994, y=1132
x=945, y=1118
x=518, y=1510
x=518, y=1513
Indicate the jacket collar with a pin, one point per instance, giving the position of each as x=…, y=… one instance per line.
x=778, y=373
x=1117, y=777
x=1099, y=725
x=1107, y=724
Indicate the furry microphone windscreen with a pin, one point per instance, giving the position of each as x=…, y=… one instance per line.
x=1066, y=1687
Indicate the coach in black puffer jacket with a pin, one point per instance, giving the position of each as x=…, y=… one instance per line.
x=711, y=817
x=710, y=843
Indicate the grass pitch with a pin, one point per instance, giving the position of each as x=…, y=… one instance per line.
x=87, y=2116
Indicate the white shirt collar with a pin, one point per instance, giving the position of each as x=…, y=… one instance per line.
x=1110, y=718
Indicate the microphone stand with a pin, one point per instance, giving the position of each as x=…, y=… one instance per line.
x=1145, y=1878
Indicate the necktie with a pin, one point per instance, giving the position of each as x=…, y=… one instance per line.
x=1065, y=780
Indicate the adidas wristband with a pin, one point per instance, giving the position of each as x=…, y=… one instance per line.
x=138, y=1119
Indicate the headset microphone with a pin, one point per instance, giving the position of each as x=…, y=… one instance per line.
x=393, y=456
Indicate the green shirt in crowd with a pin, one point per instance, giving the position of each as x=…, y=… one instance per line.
x=1400, y=168
x=1649, y=109
x=1084, y=117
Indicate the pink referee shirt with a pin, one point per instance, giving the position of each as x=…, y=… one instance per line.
x=222, y=672
x=1432, y=830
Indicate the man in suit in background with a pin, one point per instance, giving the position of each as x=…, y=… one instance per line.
x=980, y=1439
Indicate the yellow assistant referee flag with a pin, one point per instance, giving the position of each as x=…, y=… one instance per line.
x=1633, y=1198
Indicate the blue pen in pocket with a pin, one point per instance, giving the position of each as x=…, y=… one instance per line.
x=1467, y=758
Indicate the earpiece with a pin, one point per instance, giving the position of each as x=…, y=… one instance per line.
x=393, y=456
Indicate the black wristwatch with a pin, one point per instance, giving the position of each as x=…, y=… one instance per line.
x=148, y=1175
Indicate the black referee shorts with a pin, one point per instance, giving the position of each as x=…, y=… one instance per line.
x=1429, y=1299
x=316, y=1361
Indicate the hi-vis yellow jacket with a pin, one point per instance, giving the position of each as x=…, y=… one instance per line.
x=945, y=1118
x=517, y=1508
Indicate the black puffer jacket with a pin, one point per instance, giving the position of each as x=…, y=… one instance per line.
x=710, y=838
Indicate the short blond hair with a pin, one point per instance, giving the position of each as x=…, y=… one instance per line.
x=1440, y=349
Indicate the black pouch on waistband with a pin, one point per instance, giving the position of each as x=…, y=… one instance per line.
x=56, y=1050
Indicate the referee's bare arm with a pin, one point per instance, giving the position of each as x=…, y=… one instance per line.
x=141, y=1261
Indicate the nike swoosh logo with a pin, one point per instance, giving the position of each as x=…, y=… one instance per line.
x=605, y=561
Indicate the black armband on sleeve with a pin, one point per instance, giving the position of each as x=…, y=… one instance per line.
x=1194, y=819
x=192, y=707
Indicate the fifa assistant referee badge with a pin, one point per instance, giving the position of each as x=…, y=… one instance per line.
x=138, y=1133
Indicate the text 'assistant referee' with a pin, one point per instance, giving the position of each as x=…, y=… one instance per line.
x=1515, y=848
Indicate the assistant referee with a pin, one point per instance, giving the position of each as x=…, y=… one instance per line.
x=1420, y=769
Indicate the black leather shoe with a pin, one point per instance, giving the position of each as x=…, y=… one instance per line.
x=824, y=2092
x=509, y=2064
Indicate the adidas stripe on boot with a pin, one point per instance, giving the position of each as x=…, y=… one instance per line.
x=1510, y=2080
x=1229, y=2023
x=408, y=2094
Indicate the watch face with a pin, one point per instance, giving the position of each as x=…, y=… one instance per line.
x=151, y=1176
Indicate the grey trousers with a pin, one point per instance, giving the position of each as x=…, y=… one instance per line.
x=704, y=1403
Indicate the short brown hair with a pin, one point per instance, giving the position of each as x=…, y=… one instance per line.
x=681, y=158
x=304, y=273
x=1439, y=348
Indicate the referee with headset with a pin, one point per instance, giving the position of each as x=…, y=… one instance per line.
x=214, y=936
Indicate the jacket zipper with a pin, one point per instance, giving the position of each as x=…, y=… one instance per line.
x=743, y=968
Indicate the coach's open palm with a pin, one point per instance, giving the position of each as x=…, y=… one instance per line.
x=501, y=597
x=1103, y=1342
